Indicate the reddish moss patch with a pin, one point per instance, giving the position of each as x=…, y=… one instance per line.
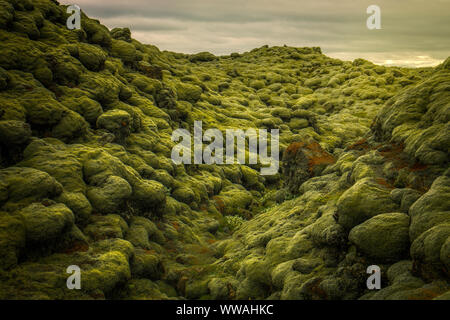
x=424, y=294
x=219, y=203
x=293, y=148
x=384, y=183
x=418, y=167
x=176, y=225
x=77, y=247
x=360, y=145
x=303, y=160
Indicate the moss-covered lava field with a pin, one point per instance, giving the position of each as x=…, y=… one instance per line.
x=86, y=176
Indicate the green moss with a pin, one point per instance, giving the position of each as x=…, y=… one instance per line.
x=24, y=23
x=89, y=109
x=426, y=250
x=364, y=200
x=78, y=203
x=121, y=34
x=383, y=237
x=91, y=56
x=202, y=57
x=123, y=50
x=6, y=14
x=188, y=92
x=97, y=33
x=105, y=227
x=146, y=265
x=86, y=116
x=14, y=132
x=23, y=186
x=12, y=239
x=46, y=223
x=110, y=197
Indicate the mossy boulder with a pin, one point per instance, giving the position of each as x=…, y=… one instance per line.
x=89, y=109
x=110, y=270
x=117, y=122
x=105, y=227
x=123, y=34
x=365, y=199
x=142, y=232
x=56, y=160
x=384, y=237
x=91, y=56
x=100, y=87
x=143, y=289
x=110, y=197
x=405, y=197
x=44, y=110
x=252, y=179
x=418, y=118
x=123, y=50
x=146, y=265
x=149, y=196
x=188, y=92
x=298, y=123
x=234, y=201
x=79, y=204
x=430, y=209
x=96, y=33
x=14, y=132
x=426, y=251
x=22, y=186
x=303, y=160
x=202, y=57
x=46, y=223
x=70, y=127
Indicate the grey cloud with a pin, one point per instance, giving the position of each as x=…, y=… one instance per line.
x=411, y=28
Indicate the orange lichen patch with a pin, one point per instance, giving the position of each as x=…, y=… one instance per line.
x=315, y=291
x=231, y=292
x=418, y=167
x=171, y=247
x=384, y=183
x=324, y=158
x=181, y=285
x=393, y=152
x=124, y=124
x=312, y=151
x=293, y=148
x=151, y=251
x=97, y=295
x=359, y=145
x=77, y=247
x=424, y=294
x=219, y=203
x=176, y=225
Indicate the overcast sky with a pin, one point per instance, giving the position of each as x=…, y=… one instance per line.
x=414, y=32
